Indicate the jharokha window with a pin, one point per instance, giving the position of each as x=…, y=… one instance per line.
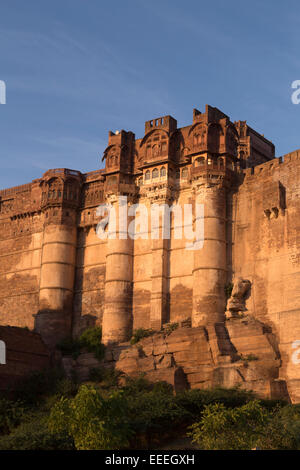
x=200, y=161
x=184, y=173
x=163, y=171
x=156, y=145
x=147, y=175
x=155, y=173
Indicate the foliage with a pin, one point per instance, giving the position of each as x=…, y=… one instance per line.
x=39, y=385
x=58, y=414
x=11, y=413
x=108, y=377
x=170, y=327
x=69, y=347
x=195, y=400
x=283, y=430
x=91, y=340
x=94, y=422
x=139, y=334
x=33, y=434
x=230, y=428
x=139, y=384
x=35, y=386
x=248, y=357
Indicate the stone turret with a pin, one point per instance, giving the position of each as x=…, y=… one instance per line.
x=60, y=201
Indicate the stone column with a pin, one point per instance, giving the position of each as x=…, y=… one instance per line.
x=117, y=315
x=57, y=281
x=159, y=291
x=209, y=272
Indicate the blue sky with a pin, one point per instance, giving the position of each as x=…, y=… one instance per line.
x=75, y=69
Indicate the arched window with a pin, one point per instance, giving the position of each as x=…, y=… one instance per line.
x=200, y=161
x=163, y=171
x=177, y=174
x=197, y=139
x=155, y=150
x=147, y=175
x=184, y=173
x=155, y=173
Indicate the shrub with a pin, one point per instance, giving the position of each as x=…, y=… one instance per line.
x=283, y=430
x=139, y=334
x=11, y=413
x=33, y=434
x=91, y=340
x=108, y=377
x=230, y=428
x=94, y=422
x=39, y=384
x=154, y=410
x=139, y=384
x=248, y=357
x=170, y=327
x=195, y=400
x=69, y=347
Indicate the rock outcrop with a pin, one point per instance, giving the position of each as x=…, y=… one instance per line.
x=240, y=352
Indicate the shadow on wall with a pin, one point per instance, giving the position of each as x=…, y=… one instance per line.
x=54, y=326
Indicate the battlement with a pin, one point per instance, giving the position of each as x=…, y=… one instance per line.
x=14, y=190
x=61, y=172
x=268, y=168
x=166, y=122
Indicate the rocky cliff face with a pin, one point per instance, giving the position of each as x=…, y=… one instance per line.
x=242, y=351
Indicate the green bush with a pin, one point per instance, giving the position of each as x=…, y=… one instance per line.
x=38, y=385
x=283, y=430
x=33, y=434
x=139, y=334
x=134, y=385
x=94, y=422
x=194, y=401
x=170, y=327
x=11, y=413
x=230, y=428
x=154, y=410
x=91, y=340
x=108, y=377
x=69, y=347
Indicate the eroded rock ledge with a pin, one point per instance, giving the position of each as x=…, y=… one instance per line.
x=241, y=351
